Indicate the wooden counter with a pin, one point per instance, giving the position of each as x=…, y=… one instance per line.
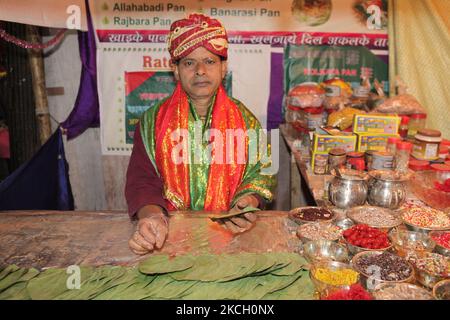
x=44, y=239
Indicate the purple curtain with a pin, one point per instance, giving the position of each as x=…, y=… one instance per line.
x=85, y=113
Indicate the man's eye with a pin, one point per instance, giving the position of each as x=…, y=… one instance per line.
x=210, y=62
x=188, y=63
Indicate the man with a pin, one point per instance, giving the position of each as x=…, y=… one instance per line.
x=156, y=180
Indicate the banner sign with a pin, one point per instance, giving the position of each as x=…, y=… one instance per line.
x=133, y=62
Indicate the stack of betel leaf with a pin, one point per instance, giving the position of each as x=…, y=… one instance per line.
x=226, y=276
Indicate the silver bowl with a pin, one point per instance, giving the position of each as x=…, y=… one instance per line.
x=441, y=290
x=293, y=215
x=370, y=282
x=318, y=226
x=401, y=291
x=440, y=249
x=323, y=288
x=344, y=224
x=405, y=242
x=373, y=213
x=355, y=249
x=427, y=279
x=320, y=250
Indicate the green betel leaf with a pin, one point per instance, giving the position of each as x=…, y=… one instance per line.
x=233, y=214
x=160, y=264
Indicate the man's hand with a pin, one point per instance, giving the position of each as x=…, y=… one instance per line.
x=244, y=222
x=151, y=232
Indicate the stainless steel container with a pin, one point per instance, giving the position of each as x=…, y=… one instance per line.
x=348, y=190
x=386, y=189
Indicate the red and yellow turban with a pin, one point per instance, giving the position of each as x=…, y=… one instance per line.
x=197, y=30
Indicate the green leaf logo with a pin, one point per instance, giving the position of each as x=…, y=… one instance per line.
x=105, y=20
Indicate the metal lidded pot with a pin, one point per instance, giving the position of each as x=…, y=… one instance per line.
x=387, y=188
x=348, y=188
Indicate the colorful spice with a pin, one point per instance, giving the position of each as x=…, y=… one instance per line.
x=445, y=187
x=401, y=291
x=385, y=266
x=356, y=292
x=426, y=217
x=364, y=236
x=442, y=239
x=342, y=277
x=432, y=263
x=319, y=230
x=313, y=214
x=375, y=217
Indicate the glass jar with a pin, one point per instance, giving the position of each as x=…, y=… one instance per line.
x=391, y=146
x=355, y=160
x=442, y=172
x=382, y=161
x=368, y=157
x=403, y=128
x=336, y=158
x=360, y=98
x=402, y=156
x=416, y=122
x=320, y=164
x=426, y=144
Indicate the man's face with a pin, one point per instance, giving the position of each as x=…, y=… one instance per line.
x=200, y=73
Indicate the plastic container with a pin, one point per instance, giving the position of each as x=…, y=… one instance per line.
x=443, y=151
x=403, y=128
x=419, y=165
x=426, y=144
x=382, y=161
x=320, y=164
x=355, y=160
x=416, y=122
x=391, y=145
x=402, y=156
x=442, y=172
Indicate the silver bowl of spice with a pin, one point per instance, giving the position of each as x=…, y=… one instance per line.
x=442, y=240
x=324, y=250
x=441, y=290
x=376, y=217
x=425, y=219
x=311, y=214
x=330, y=276
x=430, y=268
x=401, y=291
x=378, y=267
x=318, y=231
x=405, y=241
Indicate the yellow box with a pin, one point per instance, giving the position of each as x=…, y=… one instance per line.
x=377, y=142
x=371, y=124
x=325, y=142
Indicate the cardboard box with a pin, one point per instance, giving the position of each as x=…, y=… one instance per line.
x=371, y=124
x=322, y=143
x=378, y=142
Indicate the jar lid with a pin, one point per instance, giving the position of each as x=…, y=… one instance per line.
x=418, y=116
x=355, y=154
x=337, y=152
x=419, y=165
x=313, y=110
x=404, y=145
x=440, y=167
x=405, y=120
x=383, y=154
x=429, y=133
x=393, y=140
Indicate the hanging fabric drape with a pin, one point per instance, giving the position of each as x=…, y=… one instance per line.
x=85, y=113
x=419, y=41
